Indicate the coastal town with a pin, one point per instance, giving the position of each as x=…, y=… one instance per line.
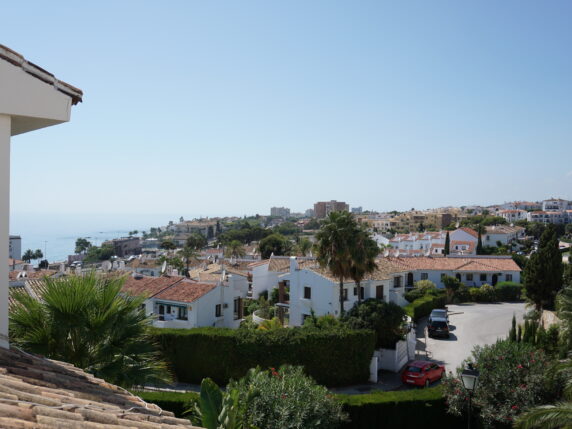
x=306, y=312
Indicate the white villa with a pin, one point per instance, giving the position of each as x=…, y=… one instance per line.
x=179, y=302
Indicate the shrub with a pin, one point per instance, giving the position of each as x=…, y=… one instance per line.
x=484, y=293
x=463, y=294
x=511, y=380
x=422, y=288
x=331, y=356
x=400, y=409
x=414, y=294
x=175, y=402
x=423, y=306
x=286, y=399
x=508, y=291
x=385, y=319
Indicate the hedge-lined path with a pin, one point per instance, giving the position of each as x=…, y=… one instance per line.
x=471, y=324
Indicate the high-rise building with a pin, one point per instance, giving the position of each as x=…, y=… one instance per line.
x=15, y=249
x=357, y=210
x=279, y=211
x=324, y=208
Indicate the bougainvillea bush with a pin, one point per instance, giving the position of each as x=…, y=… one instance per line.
x=513, y=378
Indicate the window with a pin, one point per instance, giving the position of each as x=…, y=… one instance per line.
x=345, y=294
x=307, y=292
x=182, y=313
x=424, y=276
x=509, y=277
x=443, y=276
x=470, y=277
x=483, y=277
x=355, y=291
x=397, y=282
x=218, y=310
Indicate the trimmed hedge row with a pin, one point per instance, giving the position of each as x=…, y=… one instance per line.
x=423, y=306
x=418, y=408
x=177, y=402
x=332, y=357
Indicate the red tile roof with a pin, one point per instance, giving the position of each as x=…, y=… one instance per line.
x=148, y=286
x=470, y=231
x=185, y=291
x=466, y=263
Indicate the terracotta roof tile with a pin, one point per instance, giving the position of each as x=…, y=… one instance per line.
x=186, y=291
x=41, y=393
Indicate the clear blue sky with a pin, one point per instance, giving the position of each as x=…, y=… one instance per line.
x=231, y=107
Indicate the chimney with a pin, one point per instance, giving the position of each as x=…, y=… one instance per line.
x=293, y=264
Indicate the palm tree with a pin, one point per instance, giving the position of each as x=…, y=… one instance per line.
x=304, y=246
x=363, y=258
x=188, y=253
x=234, y=249
x=28, y=255
x=335, y=245
x=87, y=322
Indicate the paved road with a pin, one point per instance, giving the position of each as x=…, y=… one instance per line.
x=471, y=324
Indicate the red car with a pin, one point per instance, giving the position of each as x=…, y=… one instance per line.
x=422, y=373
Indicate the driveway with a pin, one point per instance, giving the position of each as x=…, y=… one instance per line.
x=470, y=324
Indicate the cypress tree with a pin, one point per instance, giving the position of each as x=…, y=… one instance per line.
x=480, y=243
x=519, y=334
x=512, y=332
x=447, y=244
x=543, y=273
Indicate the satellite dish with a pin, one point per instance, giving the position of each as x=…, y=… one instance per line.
x=106, y=266
x=164, y=267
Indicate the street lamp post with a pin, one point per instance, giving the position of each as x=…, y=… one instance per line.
x=470, y=379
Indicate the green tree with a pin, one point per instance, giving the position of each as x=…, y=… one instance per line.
x=447, y=249
x=335, y=244
x=386, y=319
x=234, y=249
x=304, y=246
x=452, y=284
x=168, y=245
x=564, y=311
x=81, y=245
x=103, y=253
x=479, y=249
x=187, y=253
x=275, y=244
x=543, y=272
x=89, y=323
x=38, y=254
x=363, y=254
x=28, y=255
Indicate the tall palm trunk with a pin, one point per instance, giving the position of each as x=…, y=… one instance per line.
x=341, y=297
x=358, y=284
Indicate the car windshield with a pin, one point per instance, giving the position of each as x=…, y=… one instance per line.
x=413, y=369
x=438, y=312
x=438, y=324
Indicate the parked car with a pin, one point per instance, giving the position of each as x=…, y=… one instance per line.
x=438, y=327
x=440, y=313
x=422, y=373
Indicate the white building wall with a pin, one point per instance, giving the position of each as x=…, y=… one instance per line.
x=263, y=280
x=15, y=247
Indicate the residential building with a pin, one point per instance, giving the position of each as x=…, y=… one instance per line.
x=553, y=217
x=503, y=234
x=463, y=241
x=521, y=205
x=513, y=215
x=280, y=212
x=15, y=247
x=309, y=213
x=357, y=210
x=179, y=302
x=32, y=98
x=556, y=205
x=324, y=208
x=265, y=273
x=205, y=227
x=125, y=246
x=315, y=289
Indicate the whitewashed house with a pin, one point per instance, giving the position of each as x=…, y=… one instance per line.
x=179, y=302
x=266, y=273
x=504, y=234
x=30, y=99
x=314, y=288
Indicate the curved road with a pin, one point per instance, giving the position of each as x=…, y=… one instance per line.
x=471, y=324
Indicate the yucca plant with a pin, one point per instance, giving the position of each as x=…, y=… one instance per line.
x=88, y=322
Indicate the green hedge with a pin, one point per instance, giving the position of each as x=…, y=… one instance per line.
x=423, y=306
x=509, y=291
x=332, y=357
x=177, y=402
x=416, y=408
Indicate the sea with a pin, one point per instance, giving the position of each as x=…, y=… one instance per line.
x=55, y=234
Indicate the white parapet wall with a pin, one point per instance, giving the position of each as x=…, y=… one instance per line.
x=5, y=131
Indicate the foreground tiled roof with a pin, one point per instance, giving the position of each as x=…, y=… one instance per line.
x=40, y=393
x=148, y=286
x=18, y=60
x=386, y=268
x=13, y=275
